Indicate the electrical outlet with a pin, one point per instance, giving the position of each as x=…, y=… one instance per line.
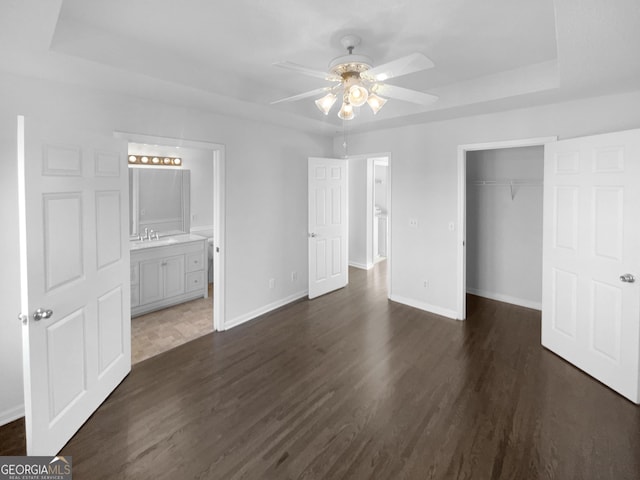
x=425, y=283
x=413, y=222
x=193, y=217
x=294, y=276
x=272, y=283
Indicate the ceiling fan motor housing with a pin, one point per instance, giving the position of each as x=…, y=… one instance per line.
x=350, y=63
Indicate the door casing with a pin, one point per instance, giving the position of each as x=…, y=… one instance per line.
x=461, y=255
x=219, y=251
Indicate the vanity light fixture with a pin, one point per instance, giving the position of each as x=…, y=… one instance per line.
x=143, y=160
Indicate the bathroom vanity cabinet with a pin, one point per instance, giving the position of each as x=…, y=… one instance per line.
x=167, y=272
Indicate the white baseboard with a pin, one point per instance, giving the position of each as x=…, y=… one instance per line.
x=445, y=312
x=521, y=302
x=362, y=266
x=265, y=309
x=11, y=414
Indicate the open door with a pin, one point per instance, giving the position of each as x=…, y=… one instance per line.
x=591, y=256
x=74, y=267
x=328, y=225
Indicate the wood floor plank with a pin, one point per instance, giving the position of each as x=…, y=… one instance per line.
x=351, y=385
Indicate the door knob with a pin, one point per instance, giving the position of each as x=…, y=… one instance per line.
x=41, y=313
x=627, y=278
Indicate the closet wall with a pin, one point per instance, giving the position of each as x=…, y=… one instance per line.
x=504, y=224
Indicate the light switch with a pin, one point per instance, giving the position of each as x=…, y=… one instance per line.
x=413, y=222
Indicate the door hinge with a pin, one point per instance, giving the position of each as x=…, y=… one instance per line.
x=23, y=318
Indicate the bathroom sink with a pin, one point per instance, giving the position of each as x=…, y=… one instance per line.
x=162, y=241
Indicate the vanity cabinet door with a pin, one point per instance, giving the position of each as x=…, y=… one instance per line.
x=173, y=273
x=151, y=285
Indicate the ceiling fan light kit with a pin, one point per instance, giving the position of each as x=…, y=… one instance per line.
x=358, y=81
x=325, y=103
x=346, y=111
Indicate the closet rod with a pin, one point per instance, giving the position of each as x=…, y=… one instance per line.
x=509, y=183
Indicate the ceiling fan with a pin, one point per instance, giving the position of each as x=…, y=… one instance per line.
x=357, y=81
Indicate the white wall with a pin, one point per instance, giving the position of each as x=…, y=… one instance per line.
x=504, y=234
x=424, y=181
x=10, y=328
x=200, y=163
x=380, y=186
x=266, y=195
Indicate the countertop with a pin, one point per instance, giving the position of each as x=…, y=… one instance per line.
x=165, y=241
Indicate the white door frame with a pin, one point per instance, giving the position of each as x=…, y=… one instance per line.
x=219, y=253
x=461, y=255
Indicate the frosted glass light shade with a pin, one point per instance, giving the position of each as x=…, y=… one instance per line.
x=376, y=102
x=325, y=103
x=346, y=112
x=358, y=95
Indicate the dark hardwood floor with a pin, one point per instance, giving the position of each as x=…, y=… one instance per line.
x=351, y=386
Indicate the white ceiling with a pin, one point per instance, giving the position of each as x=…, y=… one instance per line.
x=488, y=55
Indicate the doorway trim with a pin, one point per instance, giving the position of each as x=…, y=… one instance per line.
x=372, y=163
x=461, y=255
x=219, y=220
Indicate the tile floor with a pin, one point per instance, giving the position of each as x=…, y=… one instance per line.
x=157, y=332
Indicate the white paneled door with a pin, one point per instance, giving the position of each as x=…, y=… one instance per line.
x=591, y=256
x=328, y=225
x=75, y=291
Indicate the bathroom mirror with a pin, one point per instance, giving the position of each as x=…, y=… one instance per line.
x=159, y=199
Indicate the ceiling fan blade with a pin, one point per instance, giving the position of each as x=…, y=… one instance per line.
x=400, y=93
x=308, y=71
x=402, y=66
x=300, y=96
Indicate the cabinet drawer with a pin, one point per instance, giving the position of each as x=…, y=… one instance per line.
x=135, y=273
x=135, y=295
x=195, y=261
x=195, y=281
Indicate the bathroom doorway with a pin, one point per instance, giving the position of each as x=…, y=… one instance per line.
x=175, y=242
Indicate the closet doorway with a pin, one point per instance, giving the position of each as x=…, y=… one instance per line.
x=500, y=217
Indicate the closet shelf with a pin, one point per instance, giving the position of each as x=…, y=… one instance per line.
x=509, y=183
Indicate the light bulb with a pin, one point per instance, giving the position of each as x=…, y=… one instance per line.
x=325, y=103
x=132, y=159
x=177, y=161
x=144, y=160
x=167, y=161
x=155, y=160
x=358, y=95
x=376, y=102
x=346, y=111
